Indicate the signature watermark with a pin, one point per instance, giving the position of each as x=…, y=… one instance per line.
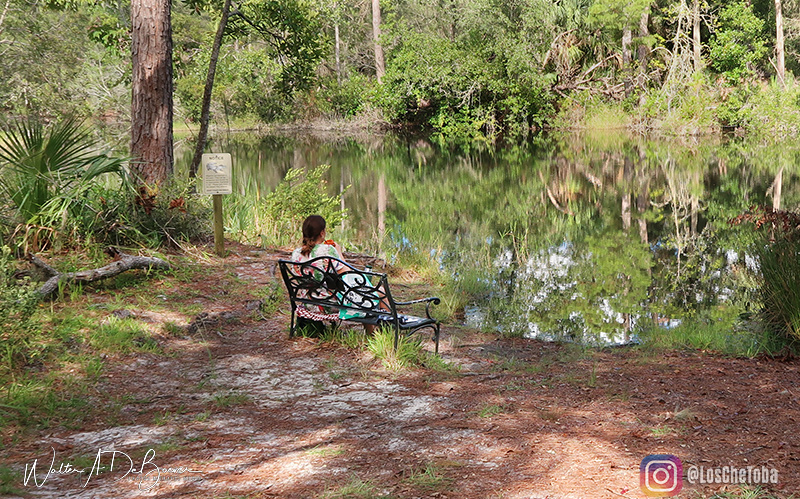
x=146, y=474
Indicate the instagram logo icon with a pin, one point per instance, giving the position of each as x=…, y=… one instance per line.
x=660, y=475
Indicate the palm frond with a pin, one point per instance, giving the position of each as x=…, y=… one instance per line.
x=48, y=171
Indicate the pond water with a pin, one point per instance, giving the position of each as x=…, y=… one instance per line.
x=581, y=236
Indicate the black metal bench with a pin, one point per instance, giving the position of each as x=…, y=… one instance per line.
x=362, y=293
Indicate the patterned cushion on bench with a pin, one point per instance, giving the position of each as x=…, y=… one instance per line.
x=314, y=316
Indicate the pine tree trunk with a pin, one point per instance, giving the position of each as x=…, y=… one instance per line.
x=151, y=93
x=380, y=69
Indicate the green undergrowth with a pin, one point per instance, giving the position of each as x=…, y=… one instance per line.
x=723, y=336
x=9, y=481
x=48, y=374
x=55, y=351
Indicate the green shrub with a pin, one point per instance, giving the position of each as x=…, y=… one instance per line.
x=345, y=99
x=18, y=328
x=739, y=43
x=486, y=92
x=730, y=112
x=773, y=113
x=178, y=215
x=722, y=332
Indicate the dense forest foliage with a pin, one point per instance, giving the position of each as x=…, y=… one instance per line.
x=457, y=66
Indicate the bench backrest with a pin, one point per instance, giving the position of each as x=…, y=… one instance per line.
x=318, y=282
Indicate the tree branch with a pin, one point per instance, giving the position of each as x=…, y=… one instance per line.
x=122, y=262
x=3, y=15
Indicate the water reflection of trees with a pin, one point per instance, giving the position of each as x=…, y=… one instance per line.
x=511, y=209
x=645, y=222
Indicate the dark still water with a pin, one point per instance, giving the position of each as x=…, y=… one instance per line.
x=578, y=236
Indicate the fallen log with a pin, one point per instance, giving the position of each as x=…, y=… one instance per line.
x=122, y=262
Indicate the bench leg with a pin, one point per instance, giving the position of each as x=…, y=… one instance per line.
x=292, y=325
x=436, y=340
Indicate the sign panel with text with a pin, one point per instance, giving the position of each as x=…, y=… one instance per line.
x=216, y=168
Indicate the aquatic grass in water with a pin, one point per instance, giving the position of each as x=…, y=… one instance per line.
x=276, y=218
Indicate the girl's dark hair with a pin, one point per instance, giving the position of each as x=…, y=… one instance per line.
x=312, y=228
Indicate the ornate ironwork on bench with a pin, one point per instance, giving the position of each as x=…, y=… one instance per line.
x=354, y=295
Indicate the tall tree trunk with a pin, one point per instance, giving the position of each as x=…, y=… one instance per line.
x=642, y=50
x=202, y=134
x=151, y=94
x=380, y=68
x=625, y=186
x=696, y=46
x=626, y=211
x=337, y=52
x=627, y=38
x=382, y=197
x=341, y=196
x=777, y=188
x=780, y=53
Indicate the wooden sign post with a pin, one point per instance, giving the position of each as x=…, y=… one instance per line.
x=216, y=172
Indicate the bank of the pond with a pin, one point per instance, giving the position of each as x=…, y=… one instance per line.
x=764, y=112
x=210, y=381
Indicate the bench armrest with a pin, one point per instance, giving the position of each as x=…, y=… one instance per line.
x=427, y=302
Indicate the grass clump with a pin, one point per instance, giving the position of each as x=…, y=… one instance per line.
x=230, y=399
x=123, y=336
x=276, y=218
x=725, y=335
x=438, y=364
x=356, y=488
x=489, y=410
x=32, y=402
x=431, y=478
x=9, y=480
x=408, y=354
x=778, y=252
x=780, y=288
